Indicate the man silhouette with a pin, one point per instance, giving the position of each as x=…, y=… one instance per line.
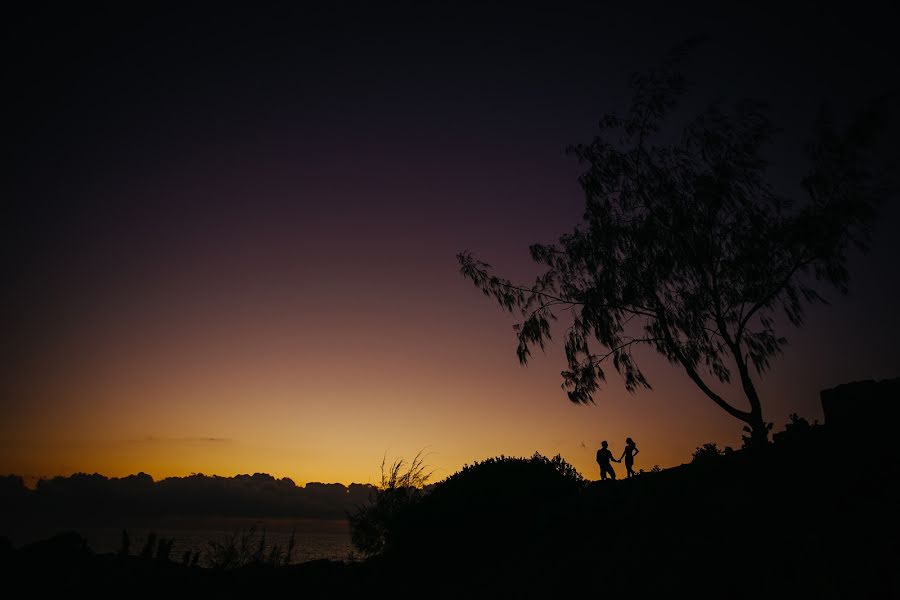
x=604, y=456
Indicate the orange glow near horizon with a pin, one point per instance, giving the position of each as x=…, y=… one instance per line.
x=240, y=257
x=250, y=388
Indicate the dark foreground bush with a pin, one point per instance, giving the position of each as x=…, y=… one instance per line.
x=490, y=507
x=500, y=499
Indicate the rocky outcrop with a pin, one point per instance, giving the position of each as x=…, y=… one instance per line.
x=867, y=412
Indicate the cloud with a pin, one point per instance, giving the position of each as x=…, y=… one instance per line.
x=193, y=440
x=257, y=495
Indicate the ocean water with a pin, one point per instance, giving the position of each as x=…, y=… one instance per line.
x=313, y=538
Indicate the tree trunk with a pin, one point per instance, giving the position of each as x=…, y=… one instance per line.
x=756, y=426
x=758, y=432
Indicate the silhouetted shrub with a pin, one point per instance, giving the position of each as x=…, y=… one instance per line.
x=249, y=547
x=515, y=499
x=797, y=423
x=706, y=452
x=653, y=469
x=797, y=428
x=125, y=545
x=164, y=549
x=402, y=484
x=149, y=546
x=537, y=471
x=748, y=441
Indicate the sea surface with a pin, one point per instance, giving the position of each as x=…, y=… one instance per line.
x=313, y=538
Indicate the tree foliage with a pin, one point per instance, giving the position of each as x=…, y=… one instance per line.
x=687, y=248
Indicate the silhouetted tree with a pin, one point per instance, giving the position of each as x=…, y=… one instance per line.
x=687, y=248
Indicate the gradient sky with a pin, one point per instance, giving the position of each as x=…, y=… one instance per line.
x=231, y=237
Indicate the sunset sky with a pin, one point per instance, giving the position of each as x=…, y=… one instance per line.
x=230, y=238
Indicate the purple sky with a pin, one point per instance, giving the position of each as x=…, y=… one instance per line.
x=242, y=226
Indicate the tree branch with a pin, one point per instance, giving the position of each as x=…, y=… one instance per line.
x=638, y=310
x=770, y=296
x=675, y=348
x=620, y=347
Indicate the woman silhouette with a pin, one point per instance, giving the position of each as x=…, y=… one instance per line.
x=630, y=452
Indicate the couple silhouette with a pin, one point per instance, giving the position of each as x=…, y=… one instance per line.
x=605, y=457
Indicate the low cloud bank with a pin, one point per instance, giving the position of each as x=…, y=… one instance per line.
x=257, y=495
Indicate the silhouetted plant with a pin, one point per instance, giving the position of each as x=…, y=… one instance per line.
x=289, y=550
x=748, y=441
x=226, y=553
x=513, y=498
x=164, y=549
x=706, y=452
x=797, y=424
x=796, y=428
x=401, y=486
x=242, y=548
x=515, y=471
x=125, y=545
x=149, y=546
x=686, y=247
